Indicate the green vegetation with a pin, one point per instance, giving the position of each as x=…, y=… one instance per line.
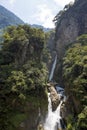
x=23, y=74
x=75, y=79
x=15, y=120
x=61, y=13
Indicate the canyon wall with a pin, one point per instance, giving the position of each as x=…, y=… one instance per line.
x=69, y=25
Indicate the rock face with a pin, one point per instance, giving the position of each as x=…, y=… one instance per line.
x=50, y=43
x=54, y=97
x=71, y=24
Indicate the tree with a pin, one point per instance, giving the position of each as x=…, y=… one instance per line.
x=22, y=73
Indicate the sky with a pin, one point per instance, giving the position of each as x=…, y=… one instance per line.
x=40, y=12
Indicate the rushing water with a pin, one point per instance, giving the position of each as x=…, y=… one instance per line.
x=53, y=68
x=53, y=120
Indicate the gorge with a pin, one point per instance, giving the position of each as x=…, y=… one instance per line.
x=43, y=75
x=70, y=71
x=54, y=119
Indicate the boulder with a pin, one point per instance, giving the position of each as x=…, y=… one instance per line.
x=54, y=96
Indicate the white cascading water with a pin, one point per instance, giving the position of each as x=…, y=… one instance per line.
x=53, y=68
x=53, y=119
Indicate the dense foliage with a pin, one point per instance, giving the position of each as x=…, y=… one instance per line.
x=23, y=74
x=75, y=78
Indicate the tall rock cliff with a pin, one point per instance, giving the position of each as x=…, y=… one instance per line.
x=71, y=22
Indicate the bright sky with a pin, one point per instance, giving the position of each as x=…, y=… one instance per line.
x=39, y=12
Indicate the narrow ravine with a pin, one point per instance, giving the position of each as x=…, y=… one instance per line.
x=54, y=120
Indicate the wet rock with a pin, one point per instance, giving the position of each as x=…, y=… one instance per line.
x=40, y=127
x=54, y=96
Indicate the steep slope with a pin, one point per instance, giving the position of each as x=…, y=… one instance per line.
x=71, y=22
x=75, y=81
x=8, y=18
x=71, y=69
x=23, y=48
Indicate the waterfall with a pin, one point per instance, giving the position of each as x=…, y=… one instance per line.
x=53, y=120
x=53, y=68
